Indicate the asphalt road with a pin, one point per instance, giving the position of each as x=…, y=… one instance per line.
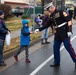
x=41, y=58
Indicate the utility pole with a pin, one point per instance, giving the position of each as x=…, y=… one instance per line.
x=34, y=3
x=42, y=6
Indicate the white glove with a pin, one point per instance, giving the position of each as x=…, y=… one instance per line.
x=36, y=31
x=69, y=34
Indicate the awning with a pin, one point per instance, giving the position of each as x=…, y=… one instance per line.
x=28, y=6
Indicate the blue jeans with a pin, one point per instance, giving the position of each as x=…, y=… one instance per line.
x=1, y=50
x=45, y=33
x=68, y=47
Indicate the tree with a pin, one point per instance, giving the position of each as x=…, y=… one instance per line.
x=6, y=9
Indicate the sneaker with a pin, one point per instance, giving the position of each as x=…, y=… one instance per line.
x=16, y=58
x=2, y=64
x=28, y=61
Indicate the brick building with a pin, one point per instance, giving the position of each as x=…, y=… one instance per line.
x=15, y=3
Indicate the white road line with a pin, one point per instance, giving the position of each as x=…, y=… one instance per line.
x=46, y=61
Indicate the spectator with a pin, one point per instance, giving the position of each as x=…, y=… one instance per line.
x=24, y=40
x=3, y=32
x=38, y=21
x=45, y=31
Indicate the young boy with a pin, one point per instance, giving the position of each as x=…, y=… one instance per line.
x=3, y=32
x=24, y=40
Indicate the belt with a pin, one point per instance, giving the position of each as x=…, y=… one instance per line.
x=60, y=25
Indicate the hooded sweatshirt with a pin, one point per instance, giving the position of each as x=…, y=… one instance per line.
x=25, y=33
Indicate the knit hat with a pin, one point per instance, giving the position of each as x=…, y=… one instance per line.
x=1, y=12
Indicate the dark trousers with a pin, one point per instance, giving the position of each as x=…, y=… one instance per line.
x=68, y=47
x=21, y=49
x=1, y=50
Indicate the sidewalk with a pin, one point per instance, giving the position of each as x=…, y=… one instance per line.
x=16, y=33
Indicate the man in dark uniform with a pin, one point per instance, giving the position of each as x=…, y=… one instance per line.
x=63, y=30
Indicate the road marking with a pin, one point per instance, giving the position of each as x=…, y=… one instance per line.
x=46, y=61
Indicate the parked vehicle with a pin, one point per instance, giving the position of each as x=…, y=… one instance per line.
x=17, y=12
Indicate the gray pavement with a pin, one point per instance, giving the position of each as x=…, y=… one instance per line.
x=16, y=33
x=41, y=57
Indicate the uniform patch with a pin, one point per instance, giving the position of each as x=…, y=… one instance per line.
x=65, y=14
x=57, y=15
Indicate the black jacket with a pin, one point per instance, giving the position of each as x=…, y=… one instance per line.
x=56, y=19
x=3, y=29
